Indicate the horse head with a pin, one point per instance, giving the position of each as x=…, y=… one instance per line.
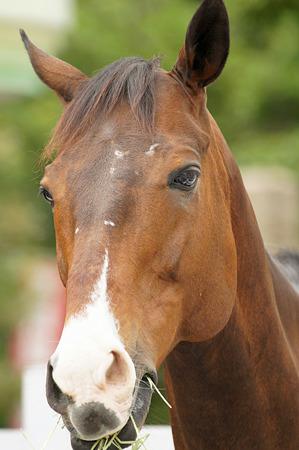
x=145, y=248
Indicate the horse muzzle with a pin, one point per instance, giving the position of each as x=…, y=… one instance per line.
x=91, y=421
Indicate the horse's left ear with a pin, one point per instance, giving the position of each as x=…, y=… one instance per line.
x=60, y=76
x=206, y=48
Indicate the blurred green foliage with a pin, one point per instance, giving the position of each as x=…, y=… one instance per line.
x=256, y=103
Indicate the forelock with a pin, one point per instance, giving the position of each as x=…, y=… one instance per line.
x=128, y=79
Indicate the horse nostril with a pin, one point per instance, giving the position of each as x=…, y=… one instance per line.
x=56, y=399
x=118, y=371
x=114, y=370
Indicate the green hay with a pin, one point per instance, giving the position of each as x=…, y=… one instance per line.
x=27, y=439
x=47, y=441
x=105, y=442
x=155, y=388
x=51, y=434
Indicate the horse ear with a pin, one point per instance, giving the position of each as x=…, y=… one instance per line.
x=60, y=76
x=206, y=48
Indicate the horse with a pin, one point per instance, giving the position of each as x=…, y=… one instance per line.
x=162, y=259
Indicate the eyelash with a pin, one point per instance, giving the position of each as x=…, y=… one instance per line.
x=46, y=194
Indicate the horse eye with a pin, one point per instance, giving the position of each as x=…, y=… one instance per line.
x=185, y=179
x=46, y=194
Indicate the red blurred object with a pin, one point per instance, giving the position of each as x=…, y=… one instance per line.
x=37, y=334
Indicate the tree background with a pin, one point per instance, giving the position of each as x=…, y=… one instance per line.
x=256, y=103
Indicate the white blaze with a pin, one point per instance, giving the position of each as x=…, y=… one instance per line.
x=83, y=354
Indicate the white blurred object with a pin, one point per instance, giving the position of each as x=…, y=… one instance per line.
x=275, y=198
x=46, y=22
x=38, y=332
x=50, y=12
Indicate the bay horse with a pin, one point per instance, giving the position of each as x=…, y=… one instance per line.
x=162, y=259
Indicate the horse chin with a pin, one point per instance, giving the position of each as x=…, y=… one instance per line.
x=126, y=434
x=140, y=408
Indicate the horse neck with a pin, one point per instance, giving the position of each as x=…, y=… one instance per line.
x=230, y=392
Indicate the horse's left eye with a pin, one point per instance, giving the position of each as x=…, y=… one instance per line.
x=185, y=179
x=46, y=194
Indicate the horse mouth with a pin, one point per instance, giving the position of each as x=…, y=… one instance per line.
x=127, y=435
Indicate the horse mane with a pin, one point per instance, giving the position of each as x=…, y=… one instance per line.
x=129, y=79
x=288, y=262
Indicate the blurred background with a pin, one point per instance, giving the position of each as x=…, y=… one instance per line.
x=256, y=103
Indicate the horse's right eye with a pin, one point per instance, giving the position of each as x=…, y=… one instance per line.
x=46, y=194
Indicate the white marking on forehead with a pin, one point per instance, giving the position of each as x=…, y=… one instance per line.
x=77, y=230
x=112, y=170
x=151, y=150
x=120, y=155
x=109, y=223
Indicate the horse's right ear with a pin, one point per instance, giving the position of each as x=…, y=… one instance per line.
x=60, y=76
x=206, y=48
